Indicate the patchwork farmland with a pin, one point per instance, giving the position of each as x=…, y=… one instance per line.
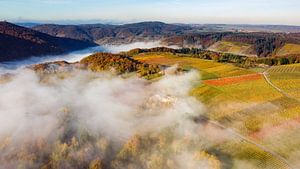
x=243, y=101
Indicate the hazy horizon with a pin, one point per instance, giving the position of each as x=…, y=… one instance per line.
x=261, y=12
x=107, y=22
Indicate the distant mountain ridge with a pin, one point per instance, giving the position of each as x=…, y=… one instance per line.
x=261, y=43
x=18, y=43
x=114, y=34
x=253, y=28
x=27, y=24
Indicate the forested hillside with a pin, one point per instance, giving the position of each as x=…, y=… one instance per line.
x=20, y=43
x=263, y=44
x=104, y=34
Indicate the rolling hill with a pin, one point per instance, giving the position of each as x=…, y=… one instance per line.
x=233, y=47
x=18, y=42
x=260, y=108
x=250, y=118
x=262, y=44
x=114, y=34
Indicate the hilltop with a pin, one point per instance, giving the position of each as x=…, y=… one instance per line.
x=18, y=42
x=117, y=34
x=261, y=43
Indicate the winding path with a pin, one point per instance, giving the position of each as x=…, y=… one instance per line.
x=265, y=74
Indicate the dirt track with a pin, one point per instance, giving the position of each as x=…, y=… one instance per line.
x=265, y=74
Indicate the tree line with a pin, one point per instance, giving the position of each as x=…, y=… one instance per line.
x=239, y=60
x=265, y=44
x=119, y=63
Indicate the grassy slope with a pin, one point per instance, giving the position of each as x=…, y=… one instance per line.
x=233, y=47
x=289, y=49
x=252, y=107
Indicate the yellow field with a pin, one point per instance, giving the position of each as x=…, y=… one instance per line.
x=208, y=69
x=227, y=101
x=287, y=78
x=289, y=49
x=251, y=107
x=246, y=106
x=232, y=47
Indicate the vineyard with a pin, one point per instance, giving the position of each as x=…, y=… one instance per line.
x=233, y=47
x=246, y=118
x=243, y=100
x=287, y=78
x=289, y=49
x=233, y=80
x=209, y=69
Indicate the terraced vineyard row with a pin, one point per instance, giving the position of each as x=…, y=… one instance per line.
x=287, y=78
x=285, y=69
x=244, y=101
x=259, y=159
x=208, y=69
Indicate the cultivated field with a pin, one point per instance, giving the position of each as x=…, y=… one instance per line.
x=286, y=78
x=209, y=69
x=233, y=47
x=265, y=119
x=289, y=49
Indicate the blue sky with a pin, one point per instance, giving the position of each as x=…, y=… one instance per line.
x=179, y=11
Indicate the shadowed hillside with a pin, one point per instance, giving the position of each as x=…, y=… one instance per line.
x=103, y=34
x=262, y=44
x=20, y=43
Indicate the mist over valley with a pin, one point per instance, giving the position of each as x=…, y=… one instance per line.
x=149, y=84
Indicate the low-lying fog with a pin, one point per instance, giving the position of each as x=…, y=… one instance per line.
x=82, y=119
x=77, y=55
x=72, y=121
x=42, y=121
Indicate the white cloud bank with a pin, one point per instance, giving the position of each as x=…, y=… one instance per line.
x=77, y=55
x=98, y=103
